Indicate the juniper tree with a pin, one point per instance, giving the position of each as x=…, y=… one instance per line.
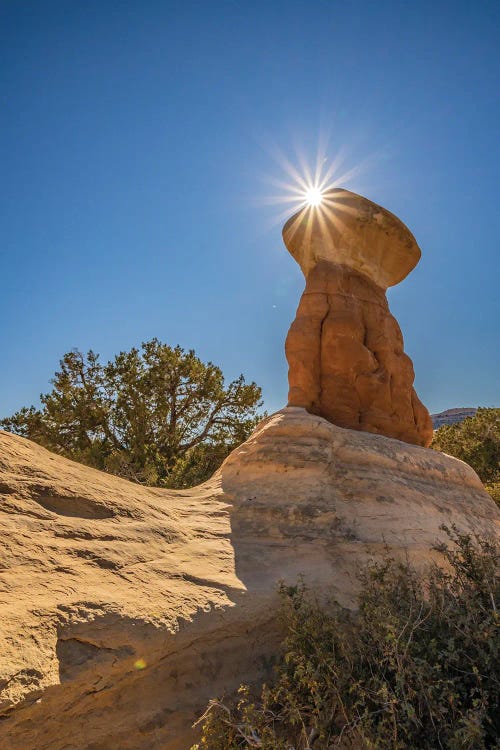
x=158, y=415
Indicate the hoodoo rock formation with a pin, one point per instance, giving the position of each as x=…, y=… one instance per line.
x=345, y=349
x=124, y=609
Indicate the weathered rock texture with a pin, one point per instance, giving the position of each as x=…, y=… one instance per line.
x=123, y=609
x=349, y=229
x=345, y=349
x=346, y=358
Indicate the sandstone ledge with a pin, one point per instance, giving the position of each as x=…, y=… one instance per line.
x=124, y=608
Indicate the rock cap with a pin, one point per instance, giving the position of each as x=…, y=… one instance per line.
x=351, y=230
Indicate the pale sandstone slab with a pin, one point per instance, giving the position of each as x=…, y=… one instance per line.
x=97, y=573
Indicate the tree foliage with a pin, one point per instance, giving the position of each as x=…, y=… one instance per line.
x=476, y=441
x=416, y=668
x=158, y=415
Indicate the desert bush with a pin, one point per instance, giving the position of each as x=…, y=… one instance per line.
x=493, y=489
x=417, y=666
x=476, y=441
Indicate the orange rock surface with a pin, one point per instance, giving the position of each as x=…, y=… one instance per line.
x=345, y=349
x=346, y=358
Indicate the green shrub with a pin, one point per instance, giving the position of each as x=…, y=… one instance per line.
x=494, y=490
x=416, y=667
x=157, y=416
x=476, y=441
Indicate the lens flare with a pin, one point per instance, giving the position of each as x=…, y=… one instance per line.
x=307, y=183
x=313, y=196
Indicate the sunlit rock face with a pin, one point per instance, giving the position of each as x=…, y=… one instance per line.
x=124, y=609
x=345, y=349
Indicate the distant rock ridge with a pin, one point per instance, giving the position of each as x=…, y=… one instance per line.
x=452, y=416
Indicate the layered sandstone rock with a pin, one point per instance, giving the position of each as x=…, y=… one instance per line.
x=123, y=609
x=351, y=230
x=345, y=349
x=346, y=358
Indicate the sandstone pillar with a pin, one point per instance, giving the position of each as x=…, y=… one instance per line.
x=345, y=349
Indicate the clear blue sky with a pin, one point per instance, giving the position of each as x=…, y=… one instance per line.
x=137, y=141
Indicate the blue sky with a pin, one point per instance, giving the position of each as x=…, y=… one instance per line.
x=138, y=142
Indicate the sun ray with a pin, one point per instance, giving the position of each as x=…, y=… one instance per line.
x=305, y=183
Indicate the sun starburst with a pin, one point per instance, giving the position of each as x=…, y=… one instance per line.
x=306, y=183
x=313, y=196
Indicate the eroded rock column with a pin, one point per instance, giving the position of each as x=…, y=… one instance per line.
x=345, y=349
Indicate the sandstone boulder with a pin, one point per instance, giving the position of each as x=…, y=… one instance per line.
x=125, y=608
